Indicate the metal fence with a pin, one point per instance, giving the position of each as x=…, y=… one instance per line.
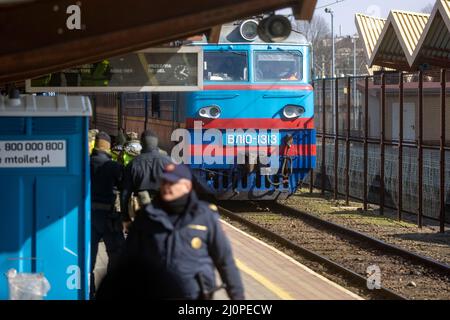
x=383, y=139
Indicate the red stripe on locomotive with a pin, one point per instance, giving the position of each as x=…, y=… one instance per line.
x=294, y=150
x=258, y=87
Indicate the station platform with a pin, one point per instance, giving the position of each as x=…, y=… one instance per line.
x=267, y=273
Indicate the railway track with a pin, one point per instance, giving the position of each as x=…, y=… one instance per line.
x=345, y=252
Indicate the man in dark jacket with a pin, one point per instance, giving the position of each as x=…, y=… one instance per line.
x=180, y=242
x=106, y=176
x=142, y=175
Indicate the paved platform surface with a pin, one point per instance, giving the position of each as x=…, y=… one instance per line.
x=267, y=273
x=270, y=274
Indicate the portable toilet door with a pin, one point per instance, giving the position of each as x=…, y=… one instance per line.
x=45, y=192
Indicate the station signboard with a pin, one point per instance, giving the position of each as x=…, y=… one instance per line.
x=156, y=69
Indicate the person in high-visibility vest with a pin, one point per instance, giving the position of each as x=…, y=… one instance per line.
x=131, y=149
x=91, y=138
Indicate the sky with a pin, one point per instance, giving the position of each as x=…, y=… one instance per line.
x=344, y=12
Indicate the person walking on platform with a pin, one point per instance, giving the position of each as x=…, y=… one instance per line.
x=106, y=177
x=174, y=248
x=142, y=175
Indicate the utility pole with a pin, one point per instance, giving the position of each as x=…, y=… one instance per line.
x=333, y=60
x=355, y=38
x=355, y=93
x=333, y=66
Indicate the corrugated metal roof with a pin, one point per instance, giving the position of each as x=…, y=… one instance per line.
x=433, y=47
x=446, y=6
x=369, y=29
x=409, y=39
x=410, y=27
x=398, y=39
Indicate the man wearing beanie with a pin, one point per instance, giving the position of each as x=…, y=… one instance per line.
x=106, y=176
x=142, y=176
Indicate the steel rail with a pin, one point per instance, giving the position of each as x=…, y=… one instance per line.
x=349, y=275
x=389, y=248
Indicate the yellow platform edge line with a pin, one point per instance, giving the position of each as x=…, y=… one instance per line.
x=264, y=281
x=348, y=292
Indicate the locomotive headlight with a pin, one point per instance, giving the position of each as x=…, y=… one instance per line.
x=292, y=111
x=212, y=112
x=249, y=29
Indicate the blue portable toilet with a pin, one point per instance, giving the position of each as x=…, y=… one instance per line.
x=45, y=192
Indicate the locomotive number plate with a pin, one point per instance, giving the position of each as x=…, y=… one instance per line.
x=252, y=138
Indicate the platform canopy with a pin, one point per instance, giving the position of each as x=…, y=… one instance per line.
x=369, y=28
x=36, y=39
x=434, y=45
x=398, y=39
x=408, y=40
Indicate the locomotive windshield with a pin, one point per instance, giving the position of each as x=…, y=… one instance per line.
x=225, y=66
x=278, y=66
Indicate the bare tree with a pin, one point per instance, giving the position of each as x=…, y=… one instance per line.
x=317, y=32
x=428, y=8
x=314, y=31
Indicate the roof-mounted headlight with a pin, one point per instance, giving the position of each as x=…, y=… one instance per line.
x=292, y=111
x=212, y=112
x=275, y=28
x=249, y=29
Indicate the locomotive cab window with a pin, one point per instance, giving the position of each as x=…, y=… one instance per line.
x=225, y=66
x=278, y=66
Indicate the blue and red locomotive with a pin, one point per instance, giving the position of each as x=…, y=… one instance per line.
x=257, y=96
